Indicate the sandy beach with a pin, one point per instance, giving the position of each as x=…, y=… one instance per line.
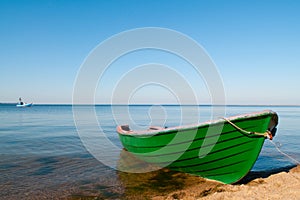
x=169, y=185
x=281, y=185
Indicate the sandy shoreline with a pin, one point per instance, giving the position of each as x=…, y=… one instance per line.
x=165, y=184
x=281, y=185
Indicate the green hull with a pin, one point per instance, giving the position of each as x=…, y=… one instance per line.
x=214, y=150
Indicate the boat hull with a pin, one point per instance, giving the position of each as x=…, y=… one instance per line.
x=24, y=105
x=225, y=155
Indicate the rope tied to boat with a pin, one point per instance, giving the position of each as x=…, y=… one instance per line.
x=266, y=134
x=291, y=158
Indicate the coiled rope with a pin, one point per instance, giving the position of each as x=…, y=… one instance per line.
x=266, y=134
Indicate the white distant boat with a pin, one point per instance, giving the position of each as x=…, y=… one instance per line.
x=19, y=105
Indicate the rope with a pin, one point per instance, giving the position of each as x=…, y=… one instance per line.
x=293, y=159
x=266, y=134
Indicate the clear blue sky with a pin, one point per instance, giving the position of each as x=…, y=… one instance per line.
x=255, y=44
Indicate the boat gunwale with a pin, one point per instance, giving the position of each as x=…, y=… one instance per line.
x=193, y=126
x=188, y=141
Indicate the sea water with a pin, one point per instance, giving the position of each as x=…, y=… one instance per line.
x=44, y=153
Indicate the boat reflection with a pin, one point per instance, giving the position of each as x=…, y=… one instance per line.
x=141, y=180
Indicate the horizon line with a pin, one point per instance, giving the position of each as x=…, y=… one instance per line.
x=147, y=104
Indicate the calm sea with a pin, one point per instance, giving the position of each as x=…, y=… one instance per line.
x=43, y=157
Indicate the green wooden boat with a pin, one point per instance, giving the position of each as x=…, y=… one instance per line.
x=224, y=150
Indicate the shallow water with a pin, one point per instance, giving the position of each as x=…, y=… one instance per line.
x=42, y=155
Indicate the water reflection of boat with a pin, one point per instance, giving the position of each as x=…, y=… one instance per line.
x=231, y=150
x=130, y=163
x=146, y=180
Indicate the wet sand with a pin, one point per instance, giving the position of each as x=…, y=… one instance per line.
x=278, y=184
